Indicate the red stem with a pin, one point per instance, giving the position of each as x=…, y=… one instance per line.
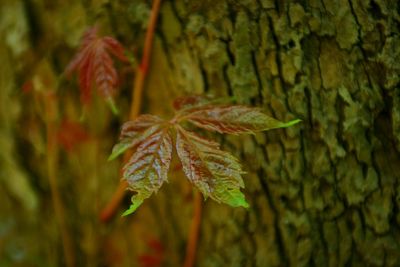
x=191, y=246
x=109, y=210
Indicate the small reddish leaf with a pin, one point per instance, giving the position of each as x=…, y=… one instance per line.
x=147, y=169
x=94, y=65
x=70, y=134
x=154, y=257
x=234, y=119
x=149, y=260
x=27, y=87
x=214, y=172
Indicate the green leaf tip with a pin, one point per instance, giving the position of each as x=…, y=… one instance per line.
x=112, y=106
x=119, y=149
x=289, y=123
x=235, y=198
x=112, y=157
x=240, y=203
x=133, y=207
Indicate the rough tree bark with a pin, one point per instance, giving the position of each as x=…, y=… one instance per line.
x=323, y=193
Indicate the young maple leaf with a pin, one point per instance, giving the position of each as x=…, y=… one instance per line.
x=216, y=173
x=94, y=65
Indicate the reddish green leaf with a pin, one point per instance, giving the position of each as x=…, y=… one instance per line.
x=95, y=66
x=214, y=172
x=234, y=119
x=148, y=167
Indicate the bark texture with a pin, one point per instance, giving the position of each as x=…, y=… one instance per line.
x=322, y=193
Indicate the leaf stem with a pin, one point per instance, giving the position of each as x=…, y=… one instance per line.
x=193, y=238
x=109, y=210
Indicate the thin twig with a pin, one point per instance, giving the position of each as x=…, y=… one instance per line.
x=141, y=73
x=144, y=66
x=191, y=246
x=52, y=166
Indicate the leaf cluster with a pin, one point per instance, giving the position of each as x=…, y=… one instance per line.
x=216, y=173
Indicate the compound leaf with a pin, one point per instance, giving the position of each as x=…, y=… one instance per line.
x=214, y=172
x=234, y=119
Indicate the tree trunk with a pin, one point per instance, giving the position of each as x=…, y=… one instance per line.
x=325, y=192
